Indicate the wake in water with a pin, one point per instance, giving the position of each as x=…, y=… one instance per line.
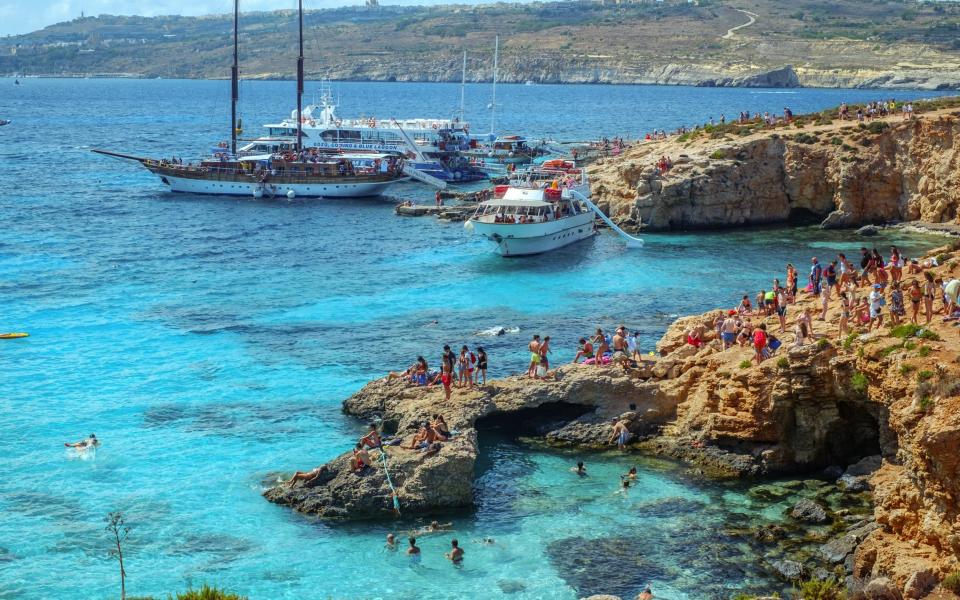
x=497, y=331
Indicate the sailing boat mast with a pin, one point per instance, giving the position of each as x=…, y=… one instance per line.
x=493, y=105
x=463, y=84
x=234, y=80
x=300, y=82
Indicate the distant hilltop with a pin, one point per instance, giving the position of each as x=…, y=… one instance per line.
x=760, y=43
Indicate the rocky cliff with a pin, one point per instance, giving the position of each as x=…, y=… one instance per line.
x=878, y=410
x=839, y=172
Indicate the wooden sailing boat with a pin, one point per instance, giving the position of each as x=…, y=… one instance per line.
x=290, y=170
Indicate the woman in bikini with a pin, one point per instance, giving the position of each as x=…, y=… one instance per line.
x=916, y=296
x=896, y=264
x=880, y=268
x=929, y=292
x=844, y=314
x=481, y=366
x=600, y=343
x=791, y=283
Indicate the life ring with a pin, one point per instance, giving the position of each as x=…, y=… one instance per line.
x=435, y=126
x=312, y=123
x=338, y=122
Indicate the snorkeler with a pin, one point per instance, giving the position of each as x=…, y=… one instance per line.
x=90, y=442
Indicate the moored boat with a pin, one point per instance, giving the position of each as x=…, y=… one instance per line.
x=539, y=210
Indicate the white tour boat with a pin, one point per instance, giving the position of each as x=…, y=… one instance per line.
x=541, y=209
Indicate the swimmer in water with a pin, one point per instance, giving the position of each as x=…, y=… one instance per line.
x=391, y=542
x=456, y=553
x=580, y=469
x=632, y=474
x=646, y=594
x=624, y=486
x=85, y=444
x=413, y=549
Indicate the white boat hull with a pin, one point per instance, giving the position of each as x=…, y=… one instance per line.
x=370, y=189
x=536, y=238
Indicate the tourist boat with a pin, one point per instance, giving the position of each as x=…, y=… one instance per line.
x=508, y=149
x=540, y=209
x=289, y=168
x=4, y=122
x=432, y=146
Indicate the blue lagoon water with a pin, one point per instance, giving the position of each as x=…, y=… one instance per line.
x=209, y=342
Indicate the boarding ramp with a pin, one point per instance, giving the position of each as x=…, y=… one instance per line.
x=426, y=178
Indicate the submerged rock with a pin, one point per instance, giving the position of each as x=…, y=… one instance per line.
x=868, y=230
x=808, y=511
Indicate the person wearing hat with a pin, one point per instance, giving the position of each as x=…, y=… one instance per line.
x=876, y=306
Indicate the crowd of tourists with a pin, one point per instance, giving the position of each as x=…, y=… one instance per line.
x=865, y=293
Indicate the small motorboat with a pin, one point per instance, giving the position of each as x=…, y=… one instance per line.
x=4, y=122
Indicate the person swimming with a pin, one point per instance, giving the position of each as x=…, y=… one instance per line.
x=456, y=552
x=631, y=474
x=413, y=549
x=580, y=469
x=391, y=542
x=85, y=444
x=646, y=594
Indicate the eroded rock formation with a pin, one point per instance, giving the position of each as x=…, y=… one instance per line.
x=840, y=173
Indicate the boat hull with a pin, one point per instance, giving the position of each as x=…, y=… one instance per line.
x=529, y=239
x=353, y=187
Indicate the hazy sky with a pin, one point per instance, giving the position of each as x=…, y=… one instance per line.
x=23, y=16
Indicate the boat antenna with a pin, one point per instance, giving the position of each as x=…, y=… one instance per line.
x=463, y=84
x=493, y=104
x=234, y=80
x=300, y=82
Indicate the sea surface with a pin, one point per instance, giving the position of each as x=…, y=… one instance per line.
x=209, y=343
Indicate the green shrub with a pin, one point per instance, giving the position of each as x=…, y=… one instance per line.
x=924, y=375
x=926, y=403
x=805, y=138
x=783, y=363
x=906, y=330
x=814, y=589
x=890, y=350
x=718, y=154
x=847, y=343
x=745, y=364
x=859, y=382
x=860, y=352
x=836, y=141
x=942, y=258
x=207, y=593
x=923, y=352
x=823, y=344
x=952, y=582
x=684, y=137
x=878, y=127
x=909, y=346
x=906, y=369
x=926, y=334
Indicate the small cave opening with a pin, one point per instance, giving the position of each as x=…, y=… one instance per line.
x=534, y=421
x=803, y=216
x=855, y=435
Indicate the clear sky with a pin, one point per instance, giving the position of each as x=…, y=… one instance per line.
x=24, y=16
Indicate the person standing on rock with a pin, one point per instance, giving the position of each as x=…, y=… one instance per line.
x=621, y=433
x=792, y=282
x=759, y=342
x=544, y=350
x=816, y=276
x=534, y=348
x=446, y=370
x=728, y=330
x=481, y=366
x=600, y=342
x=876, y=306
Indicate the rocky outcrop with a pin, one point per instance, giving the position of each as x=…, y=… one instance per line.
x=841, y=174
x=576, y=406
x=876, y=412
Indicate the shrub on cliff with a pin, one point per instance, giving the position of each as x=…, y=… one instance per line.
x=828, y=589
x=805, y=138
x=878, y=127
x=207, y=593
x=859, y=382
x=718, y=155
x=952, y=582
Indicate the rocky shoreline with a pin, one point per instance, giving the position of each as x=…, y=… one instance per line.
x=815, y=169
x=870, y=414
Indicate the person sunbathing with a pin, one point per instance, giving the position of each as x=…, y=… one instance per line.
x=372, y=439
x=306, y=476
x=360, y=459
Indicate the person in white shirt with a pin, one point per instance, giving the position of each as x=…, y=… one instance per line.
x=876, y=306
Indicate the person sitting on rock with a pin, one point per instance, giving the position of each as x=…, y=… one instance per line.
x=426, y=436
x=306, y=476
x=372, y=440
x=360, y=459
x=585, y=351
x=440, y=426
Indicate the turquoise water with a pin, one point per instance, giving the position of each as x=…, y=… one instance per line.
x=209, y=343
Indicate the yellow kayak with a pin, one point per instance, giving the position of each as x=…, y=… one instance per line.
x=11, y=336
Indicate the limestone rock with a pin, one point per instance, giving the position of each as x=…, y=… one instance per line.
x=881, y=588
x=808, y=511
x=790, y=570
x=868, y=230
x=919, y=584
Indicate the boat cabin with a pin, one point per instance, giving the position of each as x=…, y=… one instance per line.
x=527, y=206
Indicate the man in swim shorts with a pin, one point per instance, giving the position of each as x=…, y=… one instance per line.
x=534, y=347
x=728, y=330
x=90, y=442
x=620, y=433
